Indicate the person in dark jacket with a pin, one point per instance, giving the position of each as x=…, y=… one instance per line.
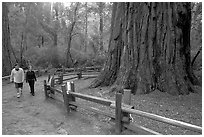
x=30, y=79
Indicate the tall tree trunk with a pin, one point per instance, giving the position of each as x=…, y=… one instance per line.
x=149, y=48
x=27, y=12
x=6, y=43
x=86, y=27
x=21, y=50
x=69, y=60
x=101, y=25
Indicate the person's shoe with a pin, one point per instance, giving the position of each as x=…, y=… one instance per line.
x=18, y=95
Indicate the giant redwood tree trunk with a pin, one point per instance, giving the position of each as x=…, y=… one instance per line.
x=149, y=48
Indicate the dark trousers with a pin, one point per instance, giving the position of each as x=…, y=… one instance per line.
x=31, y=84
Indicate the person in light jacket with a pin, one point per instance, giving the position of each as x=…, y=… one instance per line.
x=30, y=79
x=17, y=76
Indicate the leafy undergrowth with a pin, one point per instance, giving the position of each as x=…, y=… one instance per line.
x=183, y=108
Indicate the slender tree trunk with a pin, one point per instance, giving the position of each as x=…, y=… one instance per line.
x=196, y=56
x=69, y=60
x=27, y=12
x=149, y=48
x=86, y=27
x=68, y=54
x=6, y=53
x=101, y=25
x=21, y=50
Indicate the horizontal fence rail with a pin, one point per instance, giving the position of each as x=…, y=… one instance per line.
x=163, y=119
x=77, y=69
x=92, y=109
x=61, y=77
x=98, y=100
x=70, y=78
x=56, y=90
x=7, y=77
x=137, y=128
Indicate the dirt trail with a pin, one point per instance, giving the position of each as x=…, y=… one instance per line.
x=36, y=116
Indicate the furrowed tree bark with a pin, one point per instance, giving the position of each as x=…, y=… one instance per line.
x=149, y=48
x=6, y=43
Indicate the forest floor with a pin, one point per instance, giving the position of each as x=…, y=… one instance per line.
x=33, y=115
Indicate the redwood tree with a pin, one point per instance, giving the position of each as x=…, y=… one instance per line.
x=149, y=48
x=6, y=42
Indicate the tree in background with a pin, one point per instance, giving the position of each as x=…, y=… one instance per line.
x=196, y=32
x=86, y=27
x=8, y=59
x=149, y=48
x=101, y=7
x=40, y=32
x=69, y=36
x=100, y=26
x=51, y=27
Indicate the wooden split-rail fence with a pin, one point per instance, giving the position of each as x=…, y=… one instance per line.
x=84, y=69
x=37, y=73
x=62, y=72
x=122, y=106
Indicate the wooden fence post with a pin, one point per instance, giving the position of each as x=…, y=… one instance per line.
x=72, y=98
x=65, y=98
x=45, y=89
x=79, y=74
x=52, y=84
x=118, y=113
x=126, y=100
x=72, y=90
x=61, y=78
x=63, y=70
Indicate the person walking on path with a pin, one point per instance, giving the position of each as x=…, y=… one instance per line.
x=17, y=76
x=30, y=79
